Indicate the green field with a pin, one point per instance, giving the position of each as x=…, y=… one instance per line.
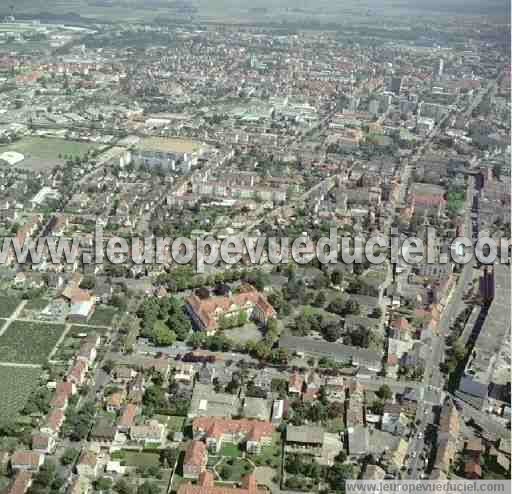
x=16, y=384
x=172, y=422
x=233, y=469
x=29, y=342
x=8, y=305
x=137, y=459
x=102, y=316
x=44, y=153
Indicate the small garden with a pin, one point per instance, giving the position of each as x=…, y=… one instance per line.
x=233, y=469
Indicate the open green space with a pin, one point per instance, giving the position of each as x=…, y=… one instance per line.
x=173, y=423
x=270, y=455
x=48, y=148
x=102, y=316
x=233, y=469
x=44, y=153
x=8, y=304
x=16, y=385
x=137, y=459
x=29, y=342
x=230, y=449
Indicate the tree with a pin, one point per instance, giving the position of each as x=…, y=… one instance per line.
x=168, y=457
x=378, y=407
x=320, y=299
x=335, y=409
x=108, y=366
x=123, y=487
x=148, y=488
x=88, y=282
x=103, y=484
x=69, y=456
x=336, y=277
x=352, y=307
x=337, y=306
x=385, y=393
x=459, y=350
x=119, y=301
x=162, y=335
x=338, y=473
x=376, y=313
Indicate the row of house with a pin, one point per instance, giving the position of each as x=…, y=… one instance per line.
x=25, y=463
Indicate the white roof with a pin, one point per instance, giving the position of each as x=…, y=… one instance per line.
x=12, y=157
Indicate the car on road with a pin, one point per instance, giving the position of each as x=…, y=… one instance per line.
x=420, y=435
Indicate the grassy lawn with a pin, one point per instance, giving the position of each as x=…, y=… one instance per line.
x=29, y=342
x=230, y=449
x=48, y=149
x=233, y=470
x=16, y=384
x=102, y=316
x=335, y=425
x=270, y=455
x=8, y=305
x=137, y=459
x=172, y=422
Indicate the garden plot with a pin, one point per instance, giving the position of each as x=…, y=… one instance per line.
x=29, y=342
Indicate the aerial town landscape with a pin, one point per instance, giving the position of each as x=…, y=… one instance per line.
x=148, y=119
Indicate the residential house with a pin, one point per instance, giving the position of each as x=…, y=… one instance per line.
x=295, y=384
x=21, y=484
x=59, y=401
x=335, y=389
x=88, y=465
x=306, y=439
x=196, y=458
x=153, y=432
x=256, y=408
x=184, y=373
x=29, y=461
x=54, y=422
x=114, y=402
x=216, y=430
x=43, y=443
x=160, y=365
x=393, y=420
x=127, y=419
x=123, y=375
x=103, y=432
x=206, y=402
x=312, y=384
x=65, y=387
x=78, y=373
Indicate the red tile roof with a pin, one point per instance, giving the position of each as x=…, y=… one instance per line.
x=206, y=485
x=21, y=483
x=217, y=427
x=195, y=454
x=128, y=416
x=208, y=310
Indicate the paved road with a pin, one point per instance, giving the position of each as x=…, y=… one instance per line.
x=433, y=380
x=12, y=317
